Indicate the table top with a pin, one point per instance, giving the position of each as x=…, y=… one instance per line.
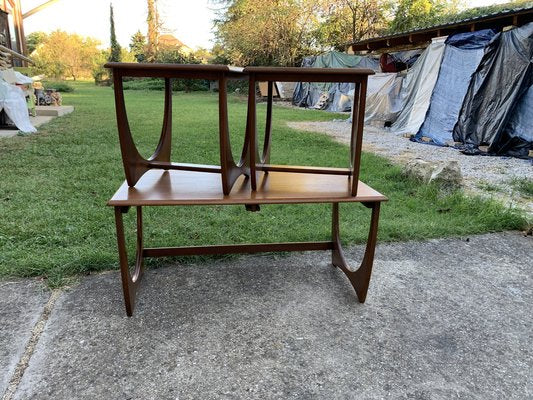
x=305, y=74
x=211, y=71
x=201, y=71
x=175, y=187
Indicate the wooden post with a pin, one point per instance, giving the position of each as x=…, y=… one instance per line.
x=19, y=30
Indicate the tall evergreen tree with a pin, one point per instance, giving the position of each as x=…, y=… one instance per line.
x=153, y=31
x=114, y=55
x=138, y=46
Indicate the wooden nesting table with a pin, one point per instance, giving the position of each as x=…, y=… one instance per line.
x=250, y=181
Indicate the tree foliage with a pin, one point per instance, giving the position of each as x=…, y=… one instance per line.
x=346, y=21
x=280, y=32
x=268, y=32
x=138, y=46
x=451, y=14
x=115, y=47
x=62, y=55
x=34, y=40
x=412, y=14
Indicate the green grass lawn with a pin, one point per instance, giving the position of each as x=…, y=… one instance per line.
x=54, y=185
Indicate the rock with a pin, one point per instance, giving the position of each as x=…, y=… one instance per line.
x=420, y=170
x=447, y=173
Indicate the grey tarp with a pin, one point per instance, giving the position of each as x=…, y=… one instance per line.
x=417, y=88
x=462, y=55
x=382, y=97
x=330, y=96
x=504, y=75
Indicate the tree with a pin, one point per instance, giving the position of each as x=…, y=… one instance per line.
x=347, y=21
x=138, y=46
x=268, y=32
x=66, y=55
x=34, y=39
x=153, y=22
x=412, y=14
x=203, y=55
x=115, y=47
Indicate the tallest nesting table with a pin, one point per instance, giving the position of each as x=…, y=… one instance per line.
x=250, y=181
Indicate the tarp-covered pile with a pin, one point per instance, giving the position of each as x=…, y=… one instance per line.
x=330, y=96
x=382, y=97
x=497, y=107
x=462, y=55
x=417, y=89
x=475, y=88
x=13, y=99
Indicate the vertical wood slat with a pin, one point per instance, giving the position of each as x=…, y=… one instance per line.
x=265, y=154
x=223, y=130
x=164, y=147
x=359, y=136
x=252, y=129
x=134, y=165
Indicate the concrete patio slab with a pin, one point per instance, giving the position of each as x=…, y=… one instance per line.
x=35, y=121
x=21, y=305
x=444, y=319
x=53, y=111
x=39, y=120
x=5, y=133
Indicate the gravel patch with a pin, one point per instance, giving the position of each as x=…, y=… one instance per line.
x=486, y=176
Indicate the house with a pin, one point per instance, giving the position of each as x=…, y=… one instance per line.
x=170, y=41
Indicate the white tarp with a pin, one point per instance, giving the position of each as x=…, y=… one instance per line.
x=12, y=76
x=417, y=88
x=13, y=101
x=383, y=97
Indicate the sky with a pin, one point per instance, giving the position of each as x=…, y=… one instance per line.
x=191, y=21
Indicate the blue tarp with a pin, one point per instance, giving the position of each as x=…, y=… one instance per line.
x=461, y=57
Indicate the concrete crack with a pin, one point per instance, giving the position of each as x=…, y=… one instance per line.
x=30, y=346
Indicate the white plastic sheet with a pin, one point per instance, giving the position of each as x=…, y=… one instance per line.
x=13, y=101
x=12, y=76
x=382, y=97
x=417, y=88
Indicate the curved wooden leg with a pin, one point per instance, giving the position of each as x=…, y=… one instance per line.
x=359, y=278
x=130, y=283
x=162, y=152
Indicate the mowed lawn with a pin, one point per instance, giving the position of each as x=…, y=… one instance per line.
x=54, y=186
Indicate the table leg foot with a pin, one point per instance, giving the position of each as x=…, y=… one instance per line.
x=130, y=282
x=359, y=278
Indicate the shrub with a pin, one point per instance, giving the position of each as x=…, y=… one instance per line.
x=187, y=85
x=59, y=86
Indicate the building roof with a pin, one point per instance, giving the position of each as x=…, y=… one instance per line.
x=496, y=20
x=171, y=41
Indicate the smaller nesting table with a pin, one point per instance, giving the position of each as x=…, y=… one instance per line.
x=250, y=181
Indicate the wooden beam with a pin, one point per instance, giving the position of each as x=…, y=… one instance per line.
x=38, y=8
x=15, y=54
x=19, y=30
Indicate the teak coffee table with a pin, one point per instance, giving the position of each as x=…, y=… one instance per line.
x=251, y=181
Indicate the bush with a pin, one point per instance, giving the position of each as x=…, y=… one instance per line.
x=59, y=86
x=187, y=85
x=24, y=70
